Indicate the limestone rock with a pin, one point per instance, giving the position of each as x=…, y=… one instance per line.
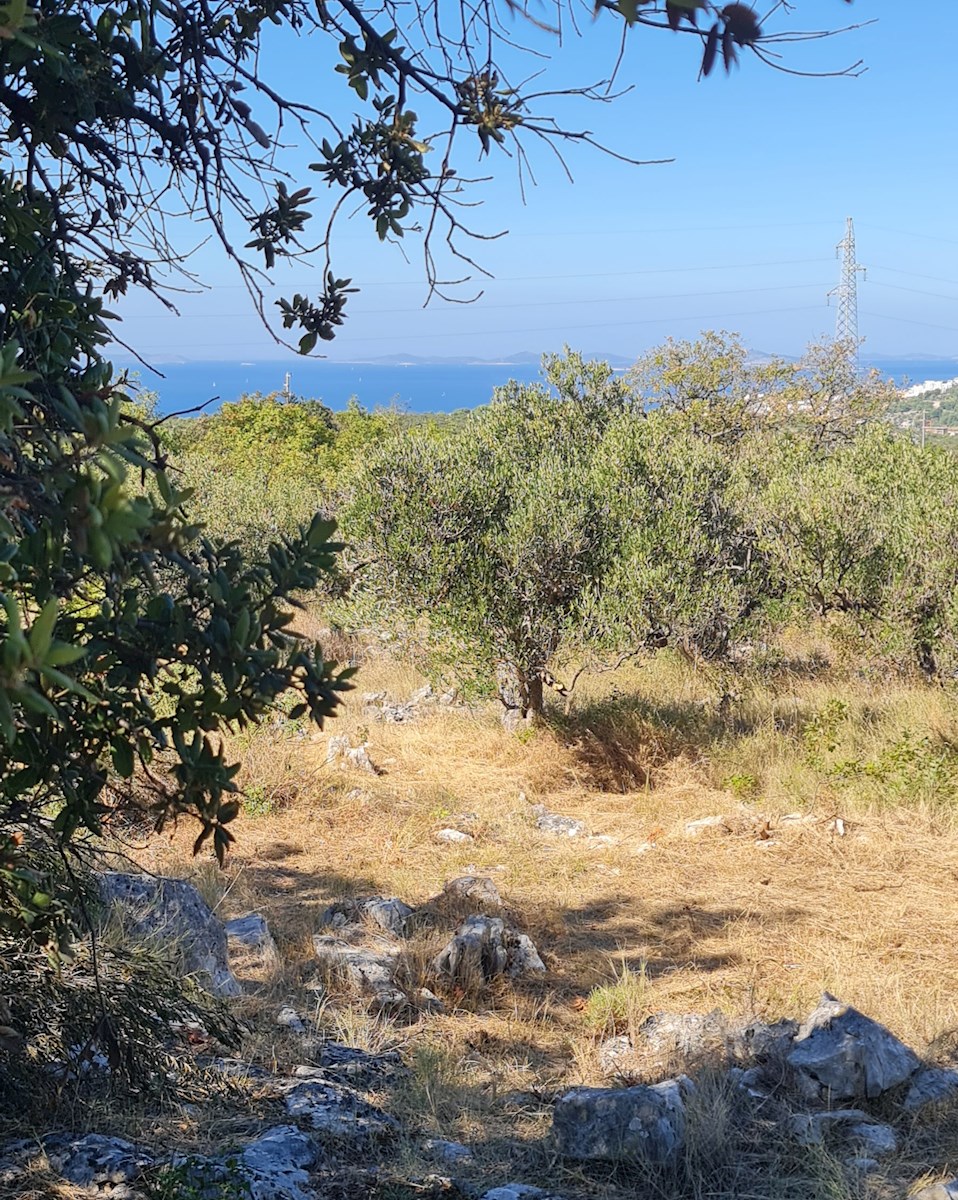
x=550, y=822
x=370, y=971
x=251, y=931
x=453, y=835
x=337, y=1111
x=275, y=1164
x=931, y=1085
x=875, y=1140
x=452, y=1153
x=172, y=913
x=478, y=890
x=340, y=751
x=848, y=1054
x=388, y=912
x=484, y=947
x=646, y=1123
x=95, y=1160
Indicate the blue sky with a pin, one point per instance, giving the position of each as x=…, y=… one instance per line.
x=738, y=232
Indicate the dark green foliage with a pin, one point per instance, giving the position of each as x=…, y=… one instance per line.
x=124, y=635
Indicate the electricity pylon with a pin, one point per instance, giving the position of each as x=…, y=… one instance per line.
x=846, y=319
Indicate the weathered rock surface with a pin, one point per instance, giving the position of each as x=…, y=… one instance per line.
x=477, y=890
x=484, y=947
x=873, y=1139
x=276, y=1164
x=172, y=913
x=519, y=1191
x=95, y=1160
x=849, y=1055
x=555, y=823
x=614, y=1123
x=387, y=912
x=356, y=1066
x=341, y=752
x=337, y=1111
x=251, y=930
x=451, y=1153
x=930, y=1085
x=370, y=971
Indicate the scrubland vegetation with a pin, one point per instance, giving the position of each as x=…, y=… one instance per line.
x=722, y=598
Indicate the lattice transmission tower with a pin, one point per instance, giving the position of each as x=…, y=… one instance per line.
x=846, y=320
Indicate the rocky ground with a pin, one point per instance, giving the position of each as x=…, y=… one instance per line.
x=467, y=968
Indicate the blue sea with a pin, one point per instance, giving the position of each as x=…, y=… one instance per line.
x=420, y=388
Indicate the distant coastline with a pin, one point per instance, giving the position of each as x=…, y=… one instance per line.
x=411, y=384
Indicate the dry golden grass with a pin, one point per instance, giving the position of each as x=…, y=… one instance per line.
x=756, y=916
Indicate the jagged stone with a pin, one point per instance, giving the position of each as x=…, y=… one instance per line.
x=251, y=931
x=289, y=1018
x=340, y=750
x=95, y=1160
x=447, y=1152
x=478, y=890
x=550, y=822
x=388, y=912
x=337, y=1111
x=371, y=972
x=930, y=1085
x=848, y=1054
x=276, y=1164
x=172, y=913
x=876, y=1140
x=454, y=836
x=484, y=947
x=646, y=1123
x=359, y=1067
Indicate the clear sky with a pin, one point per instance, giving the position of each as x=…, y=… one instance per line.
x=738, y=232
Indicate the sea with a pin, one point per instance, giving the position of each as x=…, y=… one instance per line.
x=195, y=387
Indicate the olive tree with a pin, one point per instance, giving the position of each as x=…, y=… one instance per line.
x=490, y=540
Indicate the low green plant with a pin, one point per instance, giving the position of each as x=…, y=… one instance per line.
x=198, y=1179
x=620, y=1006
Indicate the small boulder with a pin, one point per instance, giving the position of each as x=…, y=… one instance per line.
x=646, y=1123
x=337, y=1111
x=484, y=947
x=848, y=1055
x=451, y=1153
x=388, y=912
x=276, y=1164
x=371, y=972
x=453, y=836
x=874, y=1140
x=550, y=822
x=251, y=931
x=94, y=1160
x=477, y=890
x=172, y=913
x=931, y=1085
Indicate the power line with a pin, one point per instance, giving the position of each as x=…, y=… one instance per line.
x=578, y=300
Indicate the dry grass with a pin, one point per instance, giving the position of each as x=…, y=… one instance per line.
x=755, y=916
